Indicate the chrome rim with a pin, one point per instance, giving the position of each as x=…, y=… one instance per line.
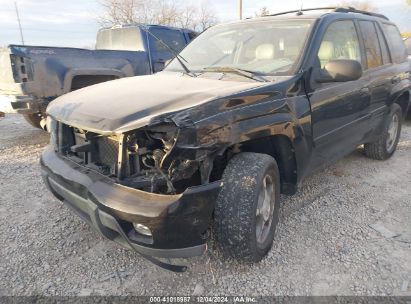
x=265, y=208
x=392, y=132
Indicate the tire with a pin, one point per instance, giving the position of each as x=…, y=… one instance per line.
x=385, y=146
x=236, y=221
x=33, y=119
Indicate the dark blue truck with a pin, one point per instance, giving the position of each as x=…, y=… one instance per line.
x=32, y=76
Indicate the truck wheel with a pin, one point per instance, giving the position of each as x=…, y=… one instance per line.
x=247, y=208
x=385, y=146
x=33, y=119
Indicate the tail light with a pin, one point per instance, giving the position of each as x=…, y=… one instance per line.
x=22, y=68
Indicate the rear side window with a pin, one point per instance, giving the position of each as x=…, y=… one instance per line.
x=371, y=44
x=383, y=44
x=397, y=47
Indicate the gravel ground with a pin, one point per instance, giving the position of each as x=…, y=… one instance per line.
x=324, y=245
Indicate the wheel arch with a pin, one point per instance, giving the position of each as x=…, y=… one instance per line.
x=76, y=79
x=403, y=100
x=82, y=81
x=280, y=147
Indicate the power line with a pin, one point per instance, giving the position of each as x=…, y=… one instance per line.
x=50, y=30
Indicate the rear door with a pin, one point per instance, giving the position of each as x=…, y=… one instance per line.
x=378, y=70
x=401, y=65
x=340, y=111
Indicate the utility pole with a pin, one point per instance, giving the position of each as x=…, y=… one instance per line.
x=240, y=9
x=18, y=19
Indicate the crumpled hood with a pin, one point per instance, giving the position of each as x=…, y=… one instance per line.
x=129, y=103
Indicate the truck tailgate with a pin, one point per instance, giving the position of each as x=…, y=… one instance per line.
x=13, y=73
x=6, y=71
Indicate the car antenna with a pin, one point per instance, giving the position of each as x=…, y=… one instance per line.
x=300, y=12
x=176, y=55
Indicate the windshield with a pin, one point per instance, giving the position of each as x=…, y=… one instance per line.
x=268, y=47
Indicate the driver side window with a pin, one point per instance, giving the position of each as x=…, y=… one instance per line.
x=340, y=41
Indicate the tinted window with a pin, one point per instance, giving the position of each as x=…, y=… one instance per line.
x=192, y=35
x=397, y=47
x=383, y=44
x=371, y=44
x=174, y=39
x=339, y=42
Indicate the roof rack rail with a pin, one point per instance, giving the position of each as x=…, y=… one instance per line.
x=334, y=9
x=300, y=11
x=354, y=10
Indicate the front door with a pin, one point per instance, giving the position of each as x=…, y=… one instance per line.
x=340, y=111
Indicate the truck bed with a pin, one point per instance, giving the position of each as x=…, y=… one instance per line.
x=29, y=74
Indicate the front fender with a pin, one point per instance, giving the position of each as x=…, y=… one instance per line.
x=238, y=120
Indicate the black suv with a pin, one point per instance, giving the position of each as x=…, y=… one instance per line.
x=244, y=113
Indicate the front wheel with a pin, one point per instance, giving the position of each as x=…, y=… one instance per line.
x=385, y=146
x=247, y=210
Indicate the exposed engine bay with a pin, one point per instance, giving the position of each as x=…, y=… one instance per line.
x=141, y=159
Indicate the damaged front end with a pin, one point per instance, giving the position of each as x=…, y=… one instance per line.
x=156, y=164
x=157, y=159
x=152, y=183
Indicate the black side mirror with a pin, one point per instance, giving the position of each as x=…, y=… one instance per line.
x=340, y=70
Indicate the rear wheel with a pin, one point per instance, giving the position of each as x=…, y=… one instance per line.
x=247, y=209
x=385, y=146
x=33, y=119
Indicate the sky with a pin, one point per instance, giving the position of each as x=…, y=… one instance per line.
x=74, y=22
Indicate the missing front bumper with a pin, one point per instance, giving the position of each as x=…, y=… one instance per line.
x=109, y=227
x=178, y=222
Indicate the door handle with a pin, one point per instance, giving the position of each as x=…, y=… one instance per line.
x=364, y=91
x=395, y=79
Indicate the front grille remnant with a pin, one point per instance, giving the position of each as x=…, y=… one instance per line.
x=134, y=159
x=106, y=155
x=90, y=149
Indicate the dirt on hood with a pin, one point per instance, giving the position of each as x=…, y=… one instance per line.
x=129, y=103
